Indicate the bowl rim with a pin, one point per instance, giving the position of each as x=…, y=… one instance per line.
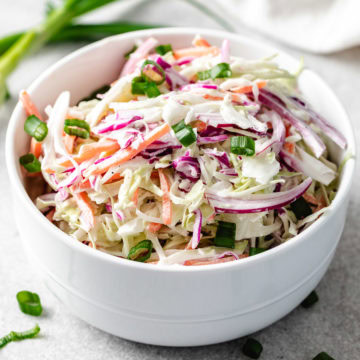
x=11, y=162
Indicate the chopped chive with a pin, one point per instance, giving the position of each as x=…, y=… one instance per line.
x=127, y=55
x=242, y=145
x=17, y=336
x=300, y=208
x=36, y=128
x=29, y=303
x=310, y=300
x=252, y=348
x=151, y=90
x=157, y=67
x=163, y=49
x=225, y=235
x=323, y=356
x=141, y=252
x=255, y=251
x=30, y=163
x=221, y=70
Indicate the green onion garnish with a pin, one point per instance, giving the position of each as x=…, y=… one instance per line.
x=252, y=348
x=30, y=163
x=77, y=127
x=184, y=133
x=255, y=251
x=221, y=70
x=29, y=303
x=300, y=208
x=141, y=252
x=141, y=86
x=242, y=145
x=163, y=49
x=225, y=235
x=158, y=68
x=127, y=55
x=36, y=128
x=323, y=356
x=151, y=90
x=310, y=300
x=16, y=336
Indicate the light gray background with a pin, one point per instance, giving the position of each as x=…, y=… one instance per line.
x=332, y=325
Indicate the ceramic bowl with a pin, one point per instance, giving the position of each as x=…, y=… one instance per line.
x=173, y=305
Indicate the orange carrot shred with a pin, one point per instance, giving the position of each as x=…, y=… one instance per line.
x=166, y=205
x=290, y=147
x=87, y=210
x=154, y=227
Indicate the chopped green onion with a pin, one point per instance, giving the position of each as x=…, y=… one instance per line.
x=127, y=55
x=300, y=208
x=30, y=163
x=16, y=336
x=184, y=133
x=36, y=128
x=151, y=90
x=158, y=68
x=29, y=303
x=242, y=145
x=179, y=126
x=78, y=123
x=221, y=70
x=255, y=251
x=163, y=49
x=310, y=300
x=323, y=356
x=141, y=252
x=225, y=235
x=77, y=127
x=252, y=348
x=138, y=85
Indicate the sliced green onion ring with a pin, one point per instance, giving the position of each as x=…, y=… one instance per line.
x=184, y=133
x=29, y=303
x=17, y=336
x=141, y=252
x=225, y=235
x=221, y=70
x=151, y=90
x=36, y=128
x=30, y=163
x=158, y=67
x=77, y=127
x=255, y=251
x=163, y=49
x=138, y=85
x=242, y=145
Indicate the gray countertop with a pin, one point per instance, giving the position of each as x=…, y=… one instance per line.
x=332, y=325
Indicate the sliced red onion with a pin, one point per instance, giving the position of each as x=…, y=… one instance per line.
x=257, y=202
x=277, y=139
x=310, y=137
x=229, y=172
x=108, y=207
x=101, y=160
x=198, y=86
x=225, y=51
x=188, y=167
x=318, y=120
x=172, y=77
x=211, y=139
x=228, y=253
x=61, y=195
x=184, y=61
x=115, y=126
x=120, y=215
x=70, y=180
x=195, y=240
x=221, y=156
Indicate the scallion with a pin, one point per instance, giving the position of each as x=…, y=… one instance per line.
x=242, y=145
x=30, y=163
x=141, y=252
x=151, y=90
x=252, y=348
x=141, y=86
x=255, y=251
x=184, y=133
x=310, y=300
x=225, y=235
x=163, y=49
x=221, y=70
x=17, y=336
x=152, y=78
x=300, y=208
x=29, y=303
x=323, y=356
x=77, y=127
x=36, y=128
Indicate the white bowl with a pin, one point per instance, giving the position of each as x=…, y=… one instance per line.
x=176, y=306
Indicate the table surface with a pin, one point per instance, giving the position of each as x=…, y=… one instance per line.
x=332, y=325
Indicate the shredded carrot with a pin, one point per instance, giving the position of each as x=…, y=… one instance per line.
x=114, y=178
x=69, y=141
x=196, y=51
x=154, y=227
x=248, y=88
x=83, y=185
x=87, y=210
x=88, y=151
x=135, y=197
x=199, y=41
x=290, y=147
x=207, y=261
x=199, y=125
x=166, y=202
x=310, y=199
x=287, y=129
x=35, y=147
x=211, y=97
x=154, y=174
x=269, y=125
x=127, y=154
x=50, y=215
